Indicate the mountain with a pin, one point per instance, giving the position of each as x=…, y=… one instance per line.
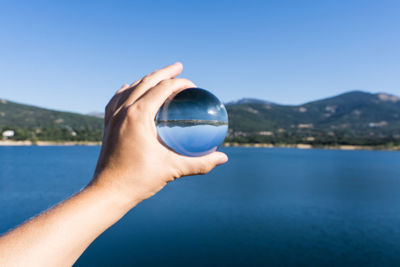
x=34, y=123
x=96, y=114
x=249, y=101
x=353, y=118
x=356, y=117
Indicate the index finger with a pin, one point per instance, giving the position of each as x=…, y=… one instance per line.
x=152, y=80
x=155, y=97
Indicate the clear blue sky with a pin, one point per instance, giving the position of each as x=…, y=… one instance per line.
x=73, y=55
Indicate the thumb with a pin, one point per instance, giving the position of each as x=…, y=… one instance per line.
x=203, y=164
x=219, y=158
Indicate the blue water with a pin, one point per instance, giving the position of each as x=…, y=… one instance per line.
x=195, y=140
x=265, y=207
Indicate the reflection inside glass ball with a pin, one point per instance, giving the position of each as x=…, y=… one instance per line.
x=193, y=123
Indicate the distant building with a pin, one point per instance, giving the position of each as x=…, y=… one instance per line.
x=266, y=133
x=305, y=125
x=377, y=124
x=8, y=133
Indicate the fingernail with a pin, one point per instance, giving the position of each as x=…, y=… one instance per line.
x=178, y=63
x=222, y=158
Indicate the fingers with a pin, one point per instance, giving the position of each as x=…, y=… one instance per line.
x=123, y=88
x=152, y=80
x=155, y=97
x=201, y=165
x=114, y=103
x=135, y=83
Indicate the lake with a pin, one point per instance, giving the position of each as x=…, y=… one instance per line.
x=265, y=207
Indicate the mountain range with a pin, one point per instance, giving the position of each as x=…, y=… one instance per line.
x=356, y=118
x=34, y=123
x=352, y=118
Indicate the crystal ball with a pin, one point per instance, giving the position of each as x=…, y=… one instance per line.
x=193, y=122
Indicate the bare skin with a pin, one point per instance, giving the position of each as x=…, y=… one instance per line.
x=133, y=166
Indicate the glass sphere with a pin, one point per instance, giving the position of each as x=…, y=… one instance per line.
x=194, y=122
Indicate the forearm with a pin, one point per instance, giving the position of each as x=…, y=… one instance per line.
x=133, y=165
x=59, y=236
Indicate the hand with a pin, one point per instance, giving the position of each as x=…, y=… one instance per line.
x=133, y=163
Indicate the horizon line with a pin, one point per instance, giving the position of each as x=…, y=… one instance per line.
x=225, y=103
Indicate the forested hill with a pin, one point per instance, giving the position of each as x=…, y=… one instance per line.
x=33, y=123
x=353, y=118
x=357, y=118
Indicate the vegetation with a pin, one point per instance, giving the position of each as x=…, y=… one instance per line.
x=354, y=118
x=39, y=124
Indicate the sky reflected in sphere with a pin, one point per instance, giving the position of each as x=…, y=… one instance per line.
x=193, y=123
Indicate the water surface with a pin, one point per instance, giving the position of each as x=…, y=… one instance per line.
x=265, y=207
x=192, y=140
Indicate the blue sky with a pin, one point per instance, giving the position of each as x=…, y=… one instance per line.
x=73, y=55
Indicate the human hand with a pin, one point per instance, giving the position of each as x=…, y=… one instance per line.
x=133, y=163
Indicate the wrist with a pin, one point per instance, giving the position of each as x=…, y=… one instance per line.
x=104, y=185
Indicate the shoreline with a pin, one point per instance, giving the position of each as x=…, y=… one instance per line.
x=228, y=144
x=48, y=143
x=308, y=146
